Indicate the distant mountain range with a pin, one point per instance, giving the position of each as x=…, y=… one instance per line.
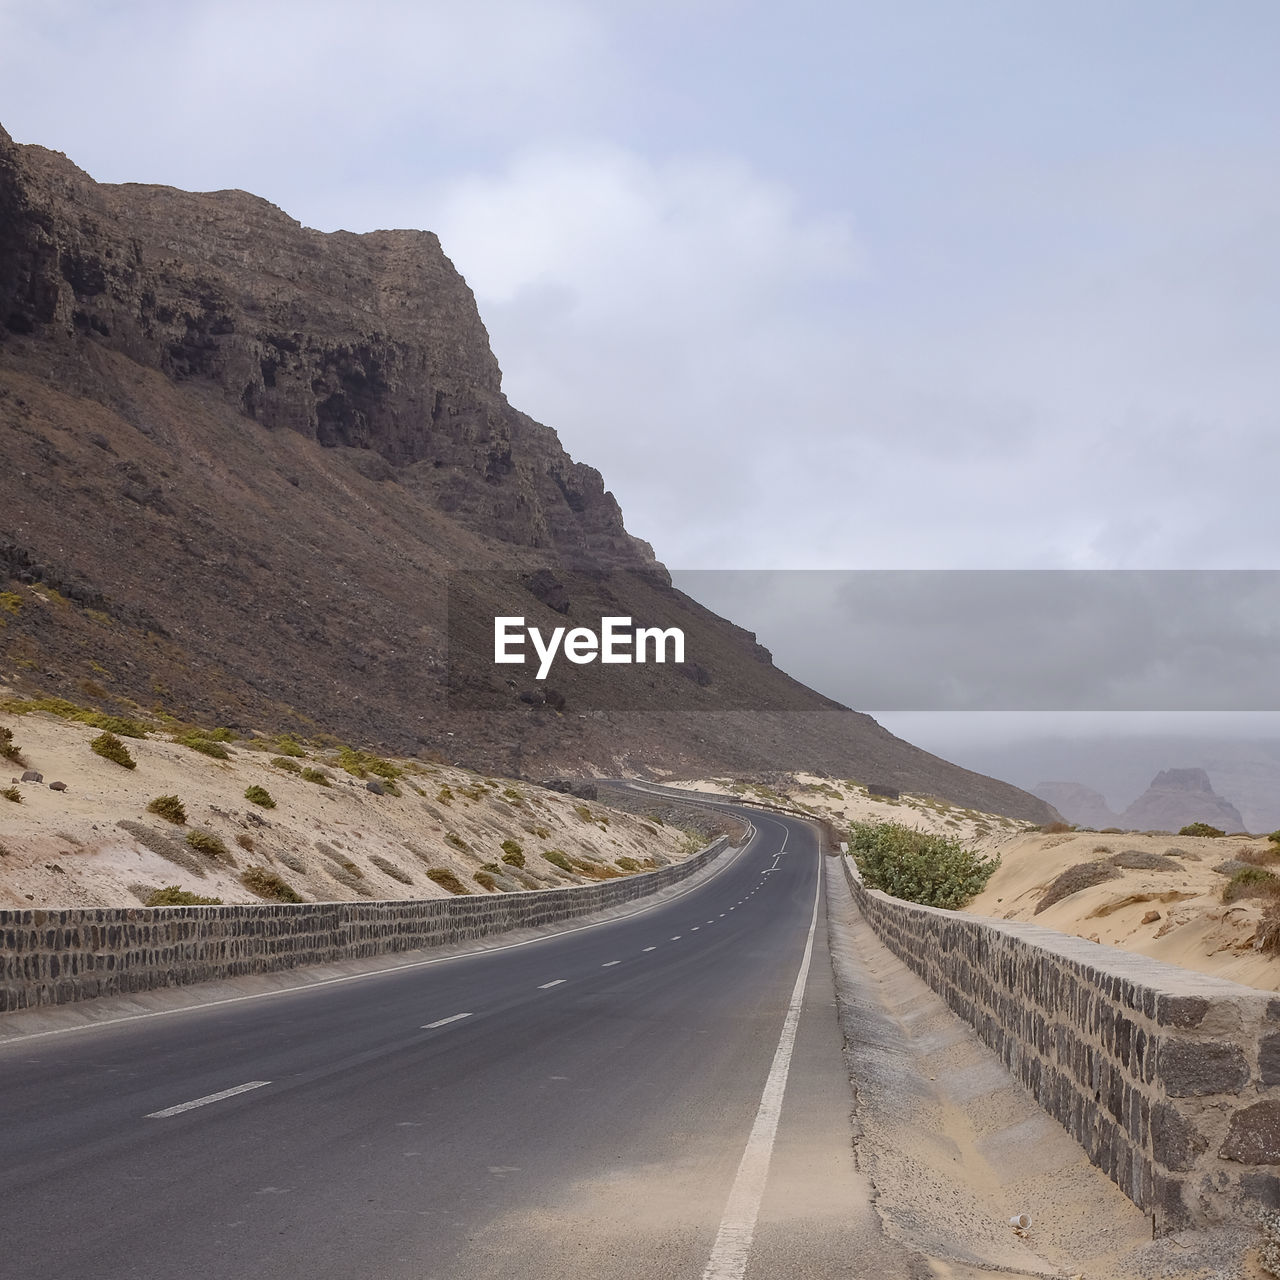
x=1175, y=799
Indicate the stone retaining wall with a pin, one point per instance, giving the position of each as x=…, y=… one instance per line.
x=59, y=956
x=1169, y=1079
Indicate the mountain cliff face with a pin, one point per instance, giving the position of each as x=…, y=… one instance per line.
x=244, y=462
x=1178, y=797
x=1077, y=803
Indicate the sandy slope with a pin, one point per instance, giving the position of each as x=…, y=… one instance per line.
x=66, y=849
x=1192, y=927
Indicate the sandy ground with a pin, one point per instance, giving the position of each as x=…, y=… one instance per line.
x=65, y=848
x=1175, y=914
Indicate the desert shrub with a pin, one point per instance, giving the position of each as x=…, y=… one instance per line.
x=485, y=880
x=288, y=746
x=512, y=847
x=396, y=873
x=447, y=879
x=512, y=796
x=1251, y=882
x=583, y=812
x=172, y=896
x=292, y=861
x=453, y=838
x=360, y=764
x=109, y=747
x=1084, y=875
x=558, y=858
x=1267, y=938
x=935, y=870
x=1259, y=857
x=627, y=864
x=444, y=796
x=11, y=603
x=513, y=857
x=81, y=715
x=1143, y=860
x=318, y=776
x=245, y=841
x=1201, y=829
x=212, y=846
x=1274, y=837
x=176, y=851
x=289, y=766
x=1056, y=828
x=170, y=808
x=7, y=748
x=196, y=741
x=266, y=884
x=1102, y=848
x=12, y=793
x=259, y=795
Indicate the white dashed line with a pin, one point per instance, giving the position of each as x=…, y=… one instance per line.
x=650, y=948
x=546, y=985
x=695, y=928
x=204, y=1102
x=608, y=964
x=444, y=1022
x=677, y=937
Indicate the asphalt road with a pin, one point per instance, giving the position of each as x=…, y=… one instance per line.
x=620, y=1101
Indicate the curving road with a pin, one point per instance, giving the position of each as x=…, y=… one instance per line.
x=660, y=1095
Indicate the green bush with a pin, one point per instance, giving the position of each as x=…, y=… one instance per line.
x=259, y=795
x=318, y=776
x=447, y=879
x=1251, y=882
x=288, y=746
x=360, y=764
x=937, y=871
x=172, y=896
x=444, y=796
x=197, y=741
x=212, y=846
x=81, y=715
x=289, y=766
x=109, y=747
x=170, y=808
x=12, y=793
x=266, y=884
x=558, y=858
x=512, y=853
x=627, y=864
x=485, y=880
x=1201, y=829
x=1274, y=837
x=7, y=748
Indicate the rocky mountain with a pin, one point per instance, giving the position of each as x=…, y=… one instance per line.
x=1175, y=799
x=260, y=475
x=1077, y=803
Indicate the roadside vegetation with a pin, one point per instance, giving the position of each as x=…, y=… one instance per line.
x=935, y=870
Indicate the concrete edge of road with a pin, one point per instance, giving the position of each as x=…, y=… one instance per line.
x=105, y=1011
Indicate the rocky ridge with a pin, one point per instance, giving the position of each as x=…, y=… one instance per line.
x=247, y=459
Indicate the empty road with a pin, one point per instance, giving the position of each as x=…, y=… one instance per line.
x=660, y=1095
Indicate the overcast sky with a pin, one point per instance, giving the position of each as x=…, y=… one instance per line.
x=831, y=285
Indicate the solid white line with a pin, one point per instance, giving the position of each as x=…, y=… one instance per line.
x=608, y=964
x=444, y=1022
x=737, y=1228
x=204, y=1102
x=547, y=985
x=377, y=973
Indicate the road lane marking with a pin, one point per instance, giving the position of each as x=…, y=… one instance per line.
x=204, y=1102
x=695, y=928
x=547, y=985
x=677, y=937
x=608, y=964
x=650, y=948
x=732, y=1248
x=444, y=1022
